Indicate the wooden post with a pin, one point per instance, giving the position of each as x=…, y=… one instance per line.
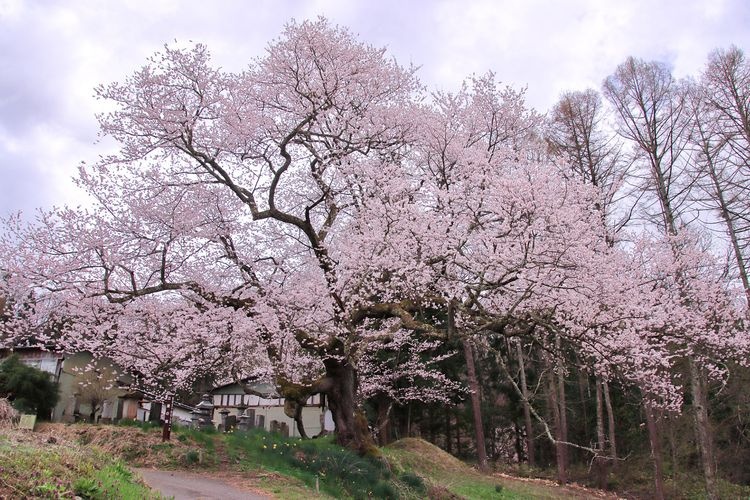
x=166, y=431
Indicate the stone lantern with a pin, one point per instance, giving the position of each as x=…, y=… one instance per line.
x=206, y=412
x=242, y=418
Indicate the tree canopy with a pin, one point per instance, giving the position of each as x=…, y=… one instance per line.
x=297, y=219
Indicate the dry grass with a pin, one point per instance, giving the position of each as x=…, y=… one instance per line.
x=426, y=455
x=138, y=447
x=8, y=414
x=451, y=478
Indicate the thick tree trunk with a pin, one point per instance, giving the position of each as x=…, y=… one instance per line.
x=525, y=402
x=293, y=409
x=476, y=406
x=674, y=466
x=519, y=441
x=300, y=423
x=703, y=428
x=351, y=425
x=584, y=394
x=655, y=439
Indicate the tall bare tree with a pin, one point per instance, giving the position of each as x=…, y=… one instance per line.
x=525, y=396
x=720, y=108
x=654, y=115
x=576, y=132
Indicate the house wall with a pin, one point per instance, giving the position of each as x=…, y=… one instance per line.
x=71, y=383
x=68, y=371
x=180, y=415
x=68, y=404
x=45, y=361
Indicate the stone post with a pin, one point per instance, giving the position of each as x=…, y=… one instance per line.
x=224, y=413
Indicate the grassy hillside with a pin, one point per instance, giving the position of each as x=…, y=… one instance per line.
x=38, y=466
x=71, y=457
x=448, y=477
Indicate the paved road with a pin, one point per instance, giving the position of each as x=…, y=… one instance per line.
x=190, y=486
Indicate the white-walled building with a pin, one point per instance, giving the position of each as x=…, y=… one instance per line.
x=266, y=410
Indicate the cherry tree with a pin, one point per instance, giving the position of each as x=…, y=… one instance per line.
x=214, y=223
x=299, y=219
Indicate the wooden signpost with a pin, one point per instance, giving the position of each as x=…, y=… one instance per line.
x=167, y=429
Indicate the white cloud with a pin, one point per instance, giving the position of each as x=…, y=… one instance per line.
x=52, y=55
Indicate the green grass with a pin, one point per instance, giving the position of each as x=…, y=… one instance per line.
x=204, y=453
x=34, y=471
x=144, y=426
x=336, y=471
x=482, y=490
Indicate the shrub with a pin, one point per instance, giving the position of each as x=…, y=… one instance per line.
x=86, y=488
x=384, y=490
x=30, y=390
x=192, y=457
x=8, y=414
x=413, y=481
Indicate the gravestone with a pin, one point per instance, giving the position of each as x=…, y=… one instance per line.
x=27, y=422
x=106, y=416
x=118, y=412
x=328, y=423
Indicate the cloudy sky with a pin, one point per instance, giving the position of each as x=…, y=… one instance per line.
x=53, y=53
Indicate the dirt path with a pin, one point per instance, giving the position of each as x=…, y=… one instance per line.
x=193, y=486
x=543, y=488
